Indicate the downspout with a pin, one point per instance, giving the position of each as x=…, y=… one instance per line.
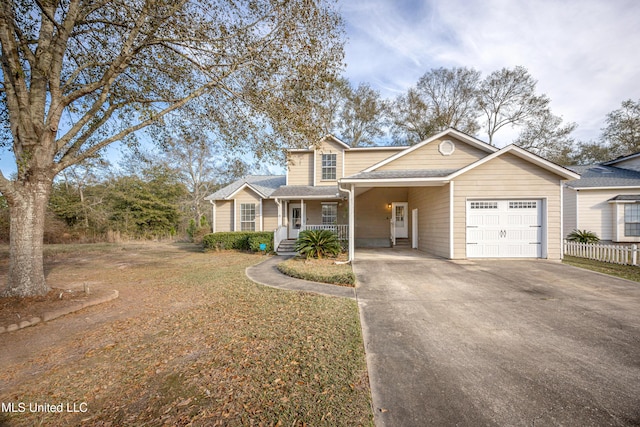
x=351, y=223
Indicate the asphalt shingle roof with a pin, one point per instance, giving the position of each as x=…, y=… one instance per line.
x=399, y=174
x=293, y=191
x=604, y=176
x=627, y=197
x=265, y=184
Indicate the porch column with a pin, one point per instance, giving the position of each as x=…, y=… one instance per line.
x=352, y=228
x=303, y=214
x=279, y=204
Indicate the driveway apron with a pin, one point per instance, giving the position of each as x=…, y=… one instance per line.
x=504, y=342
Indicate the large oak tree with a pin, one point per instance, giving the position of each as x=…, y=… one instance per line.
x=79, y=75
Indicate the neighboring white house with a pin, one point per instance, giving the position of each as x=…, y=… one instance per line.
x=605, y=200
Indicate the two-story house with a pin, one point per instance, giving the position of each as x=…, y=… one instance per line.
x=451, y=195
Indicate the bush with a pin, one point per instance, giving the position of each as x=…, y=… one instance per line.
x=325, y=273
x=255, y=240
x=317, y=244
x=238, y=240
x=583, y=236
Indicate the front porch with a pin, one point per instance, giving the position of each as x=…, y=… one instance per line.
x=384, y=219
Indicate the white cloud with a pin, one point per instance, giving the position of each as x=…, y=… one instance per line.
x=584, y=53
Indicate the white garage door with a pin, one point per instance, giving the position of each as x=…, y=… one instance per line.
x=504, y=229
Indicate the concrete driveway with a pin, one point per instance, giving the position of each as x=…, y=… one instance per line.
x=498, y=342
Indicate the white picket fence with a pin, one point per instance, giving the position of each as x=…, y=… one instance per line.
x=615, y=254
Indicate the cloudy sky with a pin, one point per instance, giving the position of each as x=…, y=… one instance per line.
x=585, y=54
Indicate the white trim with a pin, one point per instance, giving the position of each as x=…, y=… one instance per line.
x=577, y=213
x=457, y=134
x=622, y=202
x=615, y=188
x=261, y=217
x=414, y=228
x=352, y=222
x=452, y=221
x=315, y=159
x=235, y=214
x=561, y=220
x=337, y=179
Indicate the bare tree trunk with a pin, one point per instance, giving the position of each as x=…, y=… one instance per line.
x=27, y=209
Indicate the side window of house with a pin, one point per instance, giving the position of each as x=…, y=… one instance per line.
x=248, y=217
x=329, y=213
x=329, y=166
x=632, y=220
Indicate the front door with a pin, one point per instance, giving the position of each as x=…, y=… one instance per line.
x=295, y=220
x=399, y=219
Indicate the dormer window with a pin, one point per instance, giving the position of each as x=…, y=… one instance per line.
x=329, y=167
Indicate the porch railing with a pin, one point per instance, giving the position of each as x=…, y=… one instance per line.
x=340, y=230
x=279, y=235
x=615, y=254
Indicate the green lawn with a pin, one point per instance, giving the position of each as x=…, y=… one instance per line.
x=629, y=272
x=192, y=341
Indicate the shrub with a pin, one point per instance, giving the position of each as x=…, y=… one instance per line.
x=317, y=244
x=255, y=240
x=583, y=236
x=238, y=240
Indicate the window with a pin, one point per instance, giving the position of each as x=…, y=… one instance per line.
x=522, y=205
x=632, y=220
x=484, y=205
x=328, y=166
x=329, y=213
x=248, y=217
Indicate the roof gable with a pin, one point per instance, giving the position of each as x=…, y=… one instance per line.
x=452, y=133
x=262, y=185
x=525, y=155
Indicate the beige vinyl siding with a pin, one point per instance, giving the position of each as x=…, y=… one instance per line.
x=247, y=196
x=300, y=169
x=224, y=215
x=269, y=215
x=570, y=220
x=372, y=212
x=359, y=160
x=428, y=157
x=433, y=218
x=596, y=214
x=509, y=177
x=328, y=147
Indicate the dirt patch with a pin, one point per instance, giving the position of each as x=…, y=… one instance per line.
x=16, y=310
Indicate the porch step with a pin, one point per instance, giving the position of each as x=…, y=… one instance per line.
x=286, y=246
x=402, y=243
